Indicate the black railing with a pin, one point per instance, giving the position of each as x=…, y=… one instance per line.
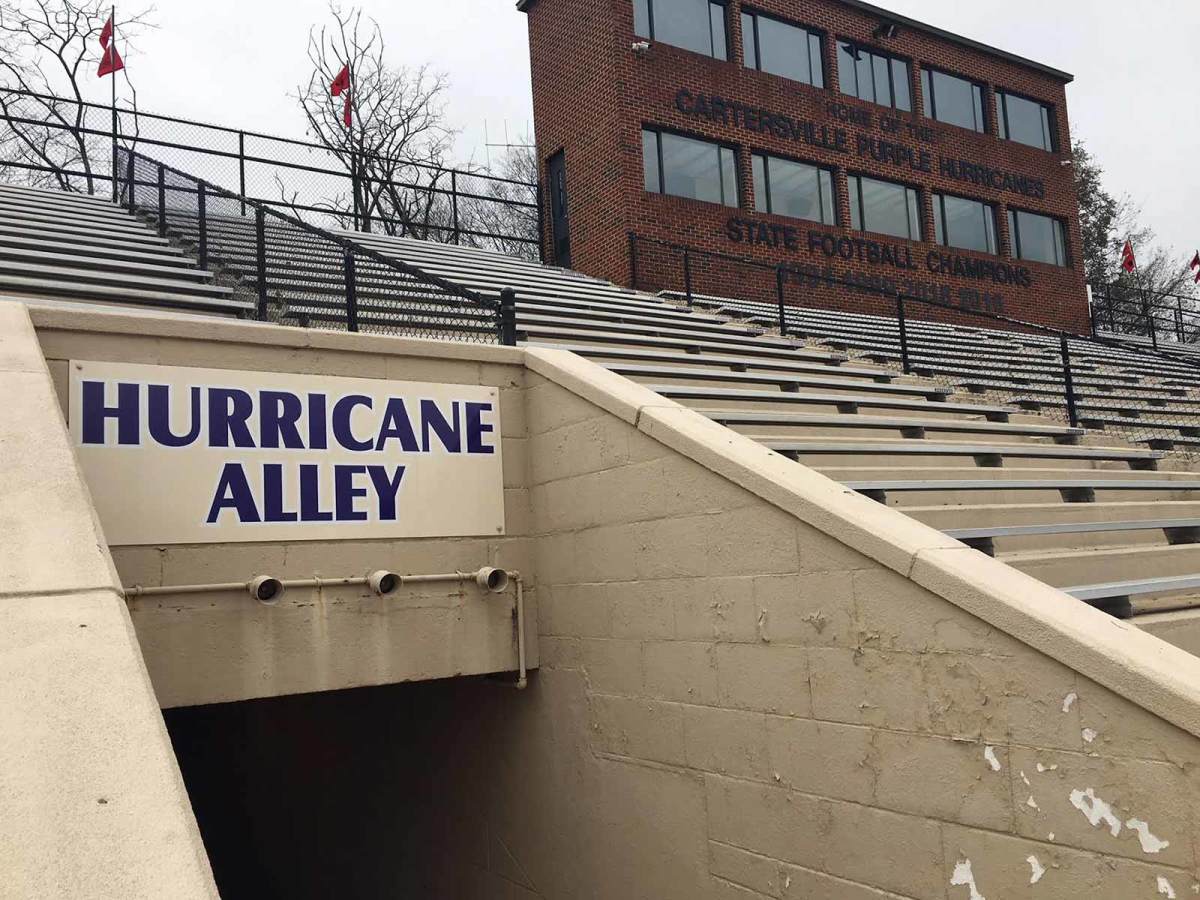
x=297, y=273
x=1090, y=381
x=60, y=141
x=1163, y=318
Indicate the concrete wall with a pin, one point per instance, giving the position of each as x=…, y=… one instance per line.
x=91, y=803
x=735, y=703
x=208, y=648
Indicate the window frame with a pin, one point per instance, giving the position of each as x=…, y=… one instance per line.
x=1014, y=237
x=930, y=100
x=810, y=33
x=1004, y=132
x=834, y=203
x=919, y=198
x=891, y=59
x=938, y=202
x=658, y=131
x=724, y=4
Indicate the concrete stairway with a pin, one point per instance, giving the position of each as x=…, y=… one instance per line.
x=1113, y=523
x=76, y=247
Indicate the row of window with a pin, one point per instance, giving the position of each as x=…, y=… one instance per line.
x=795, y=52
x=701, y=170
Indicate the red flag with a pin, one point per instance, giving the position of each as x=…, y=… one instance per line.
x=110, y=59
x=1128, y=260
x=341, y=83
x=1196, y=267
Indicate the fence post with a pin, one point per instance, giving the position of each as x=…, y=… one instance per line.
x=242, y=169
x=354, y=189
x=633, y=261
x=902, y=323
x=1069, y=383
x=260, y=233
x=162, y=200
x=1179, y=319
x=508, y=317
x=541, y=221
x=351, y=291
x=687, y=276
x=454, y=203
x=366, y=204
x=202, y=214
x=780, y=279
x=132, y=183
x=1151, y=327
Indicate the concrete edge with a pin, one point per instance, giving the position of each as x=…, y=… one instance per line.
x=1138, y=666
x=155, y=323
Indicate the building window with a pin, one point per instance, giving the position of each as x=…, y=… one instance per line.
x=870, y=75
x=965, y=224
x=686, y=167
x=698, y=25
x=884, y=207
x=1037, y=238
x=794, y=189
x=953, y=100
x=781, y=49
x=1025, y=121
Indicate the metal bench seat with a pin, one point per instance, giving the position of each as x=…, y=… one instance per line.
x=785, y=382
x=847, y=403
x=914, y=428
x=814, y=363
x=1177, y=531
x=1073, y=490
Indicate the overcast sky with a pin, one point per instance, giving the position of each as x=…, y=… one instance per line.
x=1134, y=99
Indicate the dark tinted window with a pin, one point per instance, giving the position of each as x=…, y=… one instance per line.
x=782, y=49
x=794, y=189
x=953, y=100
x=1025, y=121
x=884, y=207
x=1037, y=238
x=966, y=224
x=692, y=24
x=870, y=75
x=687, y=167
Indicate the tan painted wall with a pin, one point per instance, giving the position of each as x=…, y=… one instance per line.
x=208, y=648
x=91, y=803
x=735, y=705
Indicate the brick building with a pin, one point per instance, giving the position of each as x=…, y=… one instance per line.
x=864, y=152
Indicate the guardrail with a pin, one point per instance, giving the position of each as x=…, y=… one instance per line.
x=1160, y=317
x=1076, y=374
x=71, y=143
x=298, y=273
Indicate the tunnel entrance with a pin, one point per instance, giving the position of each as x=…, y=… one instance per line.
x=343, y=794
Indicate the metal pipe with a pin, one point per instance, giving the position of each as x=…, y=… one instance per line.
x=485, y=577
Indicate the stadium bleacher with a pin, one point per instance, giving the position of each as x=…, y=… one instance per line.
x=968, y=443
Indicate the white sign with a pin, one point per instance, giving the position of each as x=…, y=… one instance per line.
x=181, y=455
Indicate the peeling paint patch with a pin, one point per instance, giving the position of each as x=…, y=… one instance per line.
x=1031, y=803
x=1025, y=779
x=1089, y=735
x=1164, y=888
x=1150, y=844
x=1069, y=701
x=964, y=877
x=989, y=753
x=1038, y=870
x=1050, y=836
x=1044, y=769
x=1096, y=810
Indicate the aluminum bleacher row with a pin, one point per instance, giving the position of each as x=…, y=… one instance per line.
x=1151, y=398
x=1114, y=524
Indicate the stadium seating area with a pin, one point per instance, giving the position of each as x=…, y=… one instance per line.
x=963, y=444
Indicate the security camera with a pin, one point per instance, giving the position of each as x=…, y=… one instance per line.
x=384, y=583
x=641, y=47
x=265, y=589
x=493, y=580
x=1067, y=162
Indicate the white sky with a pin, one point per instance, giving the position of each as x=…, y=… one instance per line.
x=1137, y=66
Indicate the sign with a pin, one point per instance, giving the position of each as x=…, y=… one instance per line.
x=183, y=455
x=835, y=139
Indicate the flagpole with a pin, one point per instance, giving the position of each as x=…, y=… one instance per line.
x=111, y=51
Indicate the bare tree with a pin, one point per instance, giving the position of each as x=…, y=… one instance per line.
x=398, y=143
x=504, y=207
x=49, y=52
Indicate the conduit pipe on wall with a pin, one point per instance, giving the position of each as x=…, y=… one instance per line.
x=268, y=591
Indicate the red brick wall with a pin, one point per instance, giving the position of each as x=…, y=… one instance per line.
x=593, y=94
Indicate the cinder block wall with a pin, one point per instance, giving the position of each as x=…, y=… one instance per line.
x=781, y=715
